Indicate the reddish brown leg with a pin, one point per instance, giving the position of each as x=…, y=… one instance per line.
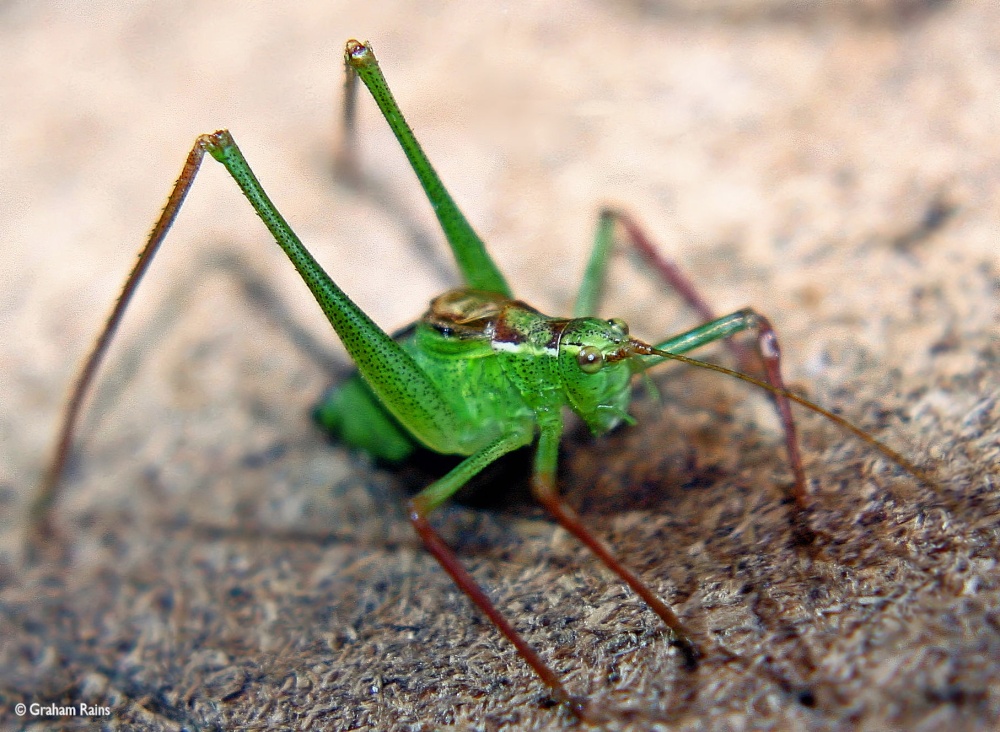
x=449, y=562
x=770, y=355
x=42, y=536
x=435, y=495
x=545, y=491
x=767, y=341
x=673, y=276
x=543, y=485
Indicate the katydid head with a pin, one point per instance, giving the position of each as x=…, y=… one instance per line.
x=595, y=370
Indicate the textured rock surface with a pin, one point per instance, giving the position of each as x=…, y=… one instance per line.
x=836, y=169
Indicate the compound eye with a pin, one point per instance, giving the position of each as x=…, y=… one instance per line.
x=620, y=325
x=590, y=359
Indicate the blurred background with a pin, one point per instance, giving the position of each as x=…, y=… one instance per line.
x=833, y=165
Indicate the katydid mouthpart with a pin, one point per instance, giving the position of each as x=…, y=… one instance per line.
x=481, y=374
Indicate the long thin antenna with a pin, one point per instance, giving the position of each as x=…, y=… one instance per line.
x=644, y=349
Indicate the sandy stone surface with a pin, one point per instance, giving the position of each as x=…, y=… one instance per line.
x=227, y=568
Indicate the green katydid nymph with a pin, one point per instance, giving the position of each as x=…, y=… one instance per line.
x=480, y=374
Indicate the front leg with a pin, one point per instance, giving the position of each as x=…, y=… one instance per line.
x=767, y=344
x=770, y=356
x=435, y=495
x=543, y=485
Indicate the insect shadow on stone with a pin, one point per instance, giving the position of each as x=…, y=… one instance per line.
x=481, y=374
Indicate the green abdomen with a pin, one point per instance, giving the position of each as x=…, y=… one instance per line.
x=354, y=416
